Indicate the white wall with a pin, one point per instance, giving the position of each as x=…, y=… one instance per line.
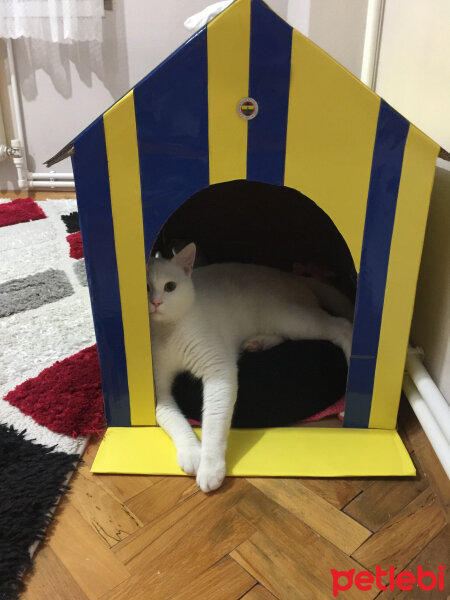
x=7, y=169
x=64, y=87
x=414, y=77
x=431, y=322
x=298, y=13
x=414, y=64
x=338, y=26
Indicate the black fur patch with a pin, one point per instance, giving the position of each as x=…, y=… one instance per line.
x=278, y=386
x=32, y=478
x=71, y=222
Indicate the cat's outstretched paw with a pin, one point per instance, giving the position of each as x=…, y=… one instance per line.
x=188, y=459
x=211, y=474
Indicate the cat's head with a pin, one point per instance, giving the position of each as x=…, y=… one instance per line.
x=170, y=288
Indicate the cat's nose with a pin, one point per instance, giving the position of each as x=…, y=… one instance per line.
x=156, y=303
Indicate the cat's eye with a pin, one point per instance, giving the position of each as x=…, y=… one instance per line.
x=170, y=286
x=148, y=288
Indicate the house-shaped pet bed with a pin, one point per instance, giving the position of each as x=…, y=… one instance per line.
x=249, y=98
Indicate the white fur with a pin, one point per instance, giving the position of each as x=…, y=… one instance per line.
x=201, y=327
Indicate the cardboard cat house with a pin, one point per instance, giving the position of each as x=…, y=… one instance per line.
x=249, y=98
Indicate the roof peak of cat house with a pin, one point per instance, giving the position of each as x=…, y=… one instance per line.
x=266, y=38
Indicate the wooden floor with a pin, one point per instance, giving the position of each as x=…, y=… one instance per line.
x=159, y=538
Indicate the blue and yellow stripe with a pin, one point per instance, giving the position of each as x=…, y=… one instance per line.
x=171, y=113
x=414, y=192
x=90, y=167
x=125, y=192
x=228, y=40
x=318, y=130
x=270, y=70
x=390, y=140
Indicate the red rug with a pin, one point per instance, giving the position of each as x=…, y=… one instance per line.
x=66, y=397
x=21, y=210
x=47, y=408
x=76, y=246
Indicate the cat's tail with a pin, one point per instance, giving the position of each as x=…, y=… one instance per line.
x=331, y=299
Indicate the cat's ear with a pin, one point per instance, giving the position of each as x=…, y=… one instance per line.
x=186, y=258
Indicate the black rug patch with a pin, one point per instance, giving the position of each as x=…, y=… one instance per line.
x=71, y=222
x=31, y=480
x=278, y=386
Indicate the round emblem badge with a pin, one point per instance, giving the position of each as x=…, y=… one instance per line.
x=247, y=108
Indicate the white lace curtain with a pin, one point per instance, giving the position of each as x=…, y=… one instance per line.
x=52, y=20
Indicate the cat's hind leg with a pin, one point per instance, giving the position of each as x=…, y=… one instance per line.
x=261, y=342
x=315, y=324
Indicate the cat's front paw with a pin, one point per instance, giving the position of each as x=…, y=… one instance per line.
x=188, y=459
x=211, y=474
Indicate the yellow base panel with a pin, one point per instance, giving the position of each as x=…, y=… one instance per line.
x=277, y=452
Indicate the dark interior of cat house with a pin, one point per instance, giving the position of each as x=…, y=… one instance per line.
x=252, y=222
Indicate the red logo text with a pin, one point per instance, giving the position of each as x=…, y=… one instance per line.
x=405, y=580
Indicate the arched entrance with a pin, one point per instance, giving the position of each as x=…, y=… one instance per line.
x=253, y=222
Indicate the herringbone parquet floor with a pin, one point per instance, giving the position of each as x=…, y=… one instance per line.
x=159, y=538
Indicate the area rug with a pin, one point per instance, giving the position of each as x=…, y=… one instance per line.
x=50, y=391
x=50, y=386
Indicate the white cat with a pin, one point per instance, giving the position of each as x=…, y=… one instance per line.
x=201, y=319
